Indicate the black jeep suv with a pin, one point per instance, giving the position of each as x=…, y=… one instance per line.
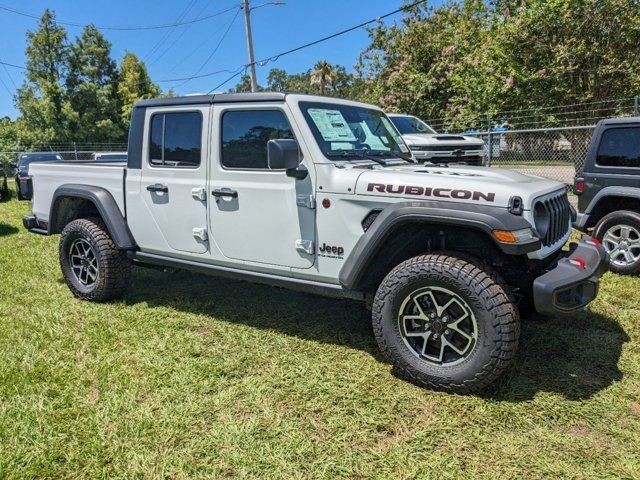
x=608, y=190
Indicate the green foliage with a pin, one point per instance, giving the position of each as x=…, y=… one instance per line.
x=91, y=89
x=134, y=84
x=323, y=79
x=75, y=92
x=473, y=56
x=41, y=100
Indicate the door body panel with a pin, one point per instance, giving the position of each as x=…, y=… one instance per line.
x=162, y=220
x=264, y=222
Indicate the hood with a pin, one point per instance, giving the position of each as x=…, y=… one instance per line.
x=476, y=185
x=440, y=139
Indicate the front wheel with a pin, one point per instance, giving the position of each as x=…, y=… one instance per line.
x=93, y=267
x=446, y=323
x=619, y=233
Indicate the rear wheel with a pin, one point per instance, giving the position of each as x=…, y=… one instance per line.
x=93, y=267
x=619, y=233
x=446, y=323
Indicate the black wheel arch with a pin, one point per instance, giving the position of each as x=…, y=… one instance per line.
x=413, y=222
x=73, y=201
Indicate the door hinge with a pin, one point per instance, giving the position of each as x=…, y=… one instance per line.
x=308, y=201
x=305, y=246
x=200, y=233
x=200, y=193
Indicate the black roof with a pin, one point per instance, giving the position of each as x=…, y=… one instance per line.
x=620, y=120
x=215, y=98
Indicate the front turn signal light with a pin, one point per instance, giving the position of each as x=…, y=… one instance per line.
x=513, y=236
x=504, y=236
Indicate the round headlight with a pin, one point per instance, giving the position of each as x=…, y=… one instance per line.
x=541, y=219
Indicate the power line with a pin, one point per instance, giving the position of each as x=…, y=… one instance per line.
x=241, y=70
x=21, y=67
x=168, y=33
x=122, y=27
x=215, y=49
x=177, y=39
x=4, y=67
x=276, y=57
x=5, y=87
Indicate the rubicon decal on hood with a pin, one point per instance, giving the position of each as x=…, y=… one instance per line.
x=431, y=192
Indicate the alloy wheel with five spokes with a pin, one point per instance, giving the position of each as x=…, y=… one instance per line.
x=437, y=325
x=622, y=243
x=83, y=261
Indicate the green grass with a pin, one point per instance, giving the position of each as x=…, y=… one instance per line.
x=191, y=376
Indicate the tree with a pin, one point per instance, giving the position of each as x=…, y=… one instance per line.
x=277, y=80
x=134, y=84
x=91, y=89
x=244, y=85
x=323, y=75
x=470, y=58
x=41, y=100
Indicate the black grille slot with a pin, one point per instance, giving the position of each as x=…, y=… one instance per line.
x=447, y=148
x=559, y=214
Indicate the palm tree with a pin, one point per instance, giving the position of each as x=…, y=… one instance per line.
x=323, y=74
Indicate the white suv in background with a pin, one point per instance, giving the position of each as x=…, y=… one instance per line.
x=428, y=145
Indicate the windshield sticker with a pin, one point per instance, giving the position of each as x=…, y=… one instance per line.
x=332, y=125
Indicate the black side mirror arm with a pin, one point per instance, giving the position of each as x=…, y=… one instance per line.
x=299, y=173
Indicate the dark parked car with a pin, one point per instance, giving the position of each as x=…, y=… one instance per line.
x=22, y=178
x=608, y=192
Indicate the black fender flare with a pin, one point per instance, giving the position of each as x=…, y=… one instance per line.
x=105, y=204
x=478, y=217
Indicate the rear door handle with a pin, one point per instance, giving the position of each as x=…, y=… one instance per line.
x=158, y=187
x=224, y=192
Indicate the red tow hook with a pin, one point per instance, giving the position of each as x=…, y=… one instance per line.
x=578, y=262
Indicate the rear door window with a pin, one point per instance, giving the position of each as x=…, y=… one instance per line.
x=620, y=147
x=175, y=139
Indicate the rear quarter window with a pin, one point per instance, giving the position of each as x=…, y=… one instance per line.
x=619, y=147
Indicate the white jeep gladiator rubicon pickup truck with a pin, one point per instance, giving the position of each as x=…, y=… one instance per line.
x=322, y=195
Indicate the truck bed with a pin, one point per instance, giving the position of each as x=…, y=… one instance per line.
x=47, y=177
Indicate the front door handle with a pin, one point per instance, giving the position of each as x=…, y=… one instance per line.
x=224, y=192
x=158, y=187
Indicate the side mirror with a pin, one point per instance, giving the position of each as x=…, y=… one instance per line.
x=283, y=154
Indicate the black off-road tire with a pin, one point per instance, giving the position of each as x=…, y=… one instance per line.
x=486, y=295
x=613, y=219
x=114, y=268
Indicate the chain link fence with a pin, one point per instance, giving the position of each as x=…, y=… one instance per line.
x=555, y=153
x=73, y=152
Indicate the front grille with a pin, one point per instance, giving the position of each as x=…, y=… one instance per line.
x=559, y=215
x=445, y=148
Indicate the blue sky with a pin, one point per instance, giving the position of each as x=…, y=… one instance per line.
x=185, y=49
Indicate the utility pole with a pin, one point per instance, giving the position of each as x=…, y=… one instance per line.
x=252, y=63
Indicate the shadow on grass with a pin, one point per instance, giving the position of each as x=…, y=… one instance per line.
x=6, y=229
x=575, y=356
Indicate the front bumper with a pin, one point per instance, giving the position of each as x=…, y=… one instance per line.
x=573, y=283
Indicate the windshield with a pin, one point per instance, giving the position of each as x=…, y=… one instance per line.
x=27, y=158
x=407, y=125
x=351, y=131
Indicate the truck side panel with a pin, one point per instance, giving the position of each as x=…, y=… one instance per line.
x=47, y=177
